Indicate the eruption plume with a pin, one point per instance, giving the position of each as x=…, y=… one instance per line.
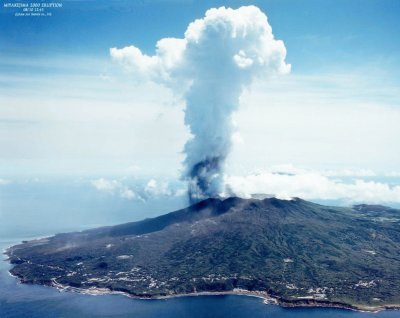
x=218, y=57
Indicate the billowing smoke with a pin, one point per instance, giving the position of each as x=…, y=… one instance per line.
x=218, y=57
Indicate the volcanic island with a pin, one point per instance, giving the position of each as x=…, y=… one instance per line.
x=290, y=252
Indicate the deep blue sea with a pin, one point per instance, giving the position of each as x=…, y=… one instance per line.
x=28, y=210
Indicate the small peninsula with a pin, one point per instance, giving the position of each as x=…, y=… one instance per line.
x=292, y=252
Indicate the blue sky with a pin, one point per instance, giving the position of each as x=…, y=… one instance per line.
x=66, y=108
x=318, y=34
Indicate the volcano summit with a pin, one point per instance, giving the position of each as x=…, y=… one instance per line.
x=298, y=252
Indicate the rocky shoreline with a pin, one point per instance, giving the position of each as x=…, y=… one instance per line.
x=267, y=299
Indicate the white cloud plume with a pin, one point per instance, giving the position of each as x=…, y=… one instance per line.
x=115, y=187
x=105, y=185
x=311, y=185
x=283, y=181
x=153, y=187
x=127, y=193
x=132, y=189
x=218, y=57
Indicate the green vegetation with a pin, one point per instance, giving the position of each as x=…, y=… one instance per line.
x=297, y=251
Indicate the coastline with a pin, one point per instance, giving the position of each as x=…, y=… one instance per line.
x=34, y=238
x=267, y=298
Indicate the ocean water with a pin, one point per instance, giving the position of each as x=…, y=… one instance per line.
x=27, y=211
